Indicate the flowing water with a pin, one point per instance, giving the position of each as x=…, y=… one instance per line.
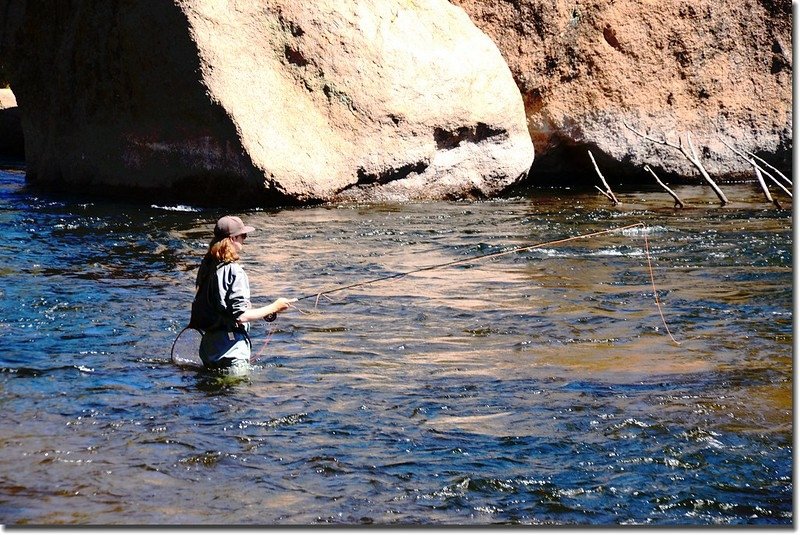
x=538, y=387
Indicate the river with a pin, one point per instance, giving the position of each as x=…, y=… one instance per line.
x=536, y=388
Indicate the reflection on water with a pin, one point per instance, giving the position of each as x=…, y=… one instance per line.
x=534, y=388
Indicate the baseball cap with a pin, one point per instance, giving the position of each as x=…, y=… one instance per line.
x=230, y=226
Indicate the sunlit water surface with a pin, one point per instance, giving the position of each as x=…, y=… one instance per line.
x=537, y=388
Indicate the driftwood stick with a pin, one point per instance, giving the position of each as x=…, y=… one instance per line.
x=775, y=180
x=695, y=159
x=678, y=202
x=764, y=187
x=690, y=155
x=787, y=180
x=769, y=175
x=608, y=193
x=598, y=188
x=652, y=139
x=758, y=168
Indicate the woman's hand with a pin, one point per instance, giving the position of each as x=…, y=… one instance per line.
x=281, y=304
x=253, y=314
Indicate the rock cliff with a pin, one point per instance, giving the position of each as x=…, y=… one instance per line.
x=270, y=101
x=282, y=101
x=722, y=70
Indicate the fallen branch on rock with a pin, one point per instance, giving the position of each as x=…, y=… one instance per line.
x=608, y=193
x=678, y=202
x=690, y=155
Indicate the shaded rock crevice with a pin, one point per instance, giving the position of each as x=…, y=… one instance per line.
x=384, y=177
x=450, y=139
x=112, y=94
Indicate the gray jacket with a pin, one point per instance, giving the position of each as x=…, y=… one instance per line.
x=233, y=288
x=227, y=291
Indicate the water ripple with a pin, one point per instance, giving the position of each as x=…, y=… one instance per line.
x=536, y=388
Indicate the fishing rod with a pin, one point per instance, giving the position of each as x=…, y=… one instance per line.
x=317, y=295
x=468, y=260
x=485, y=256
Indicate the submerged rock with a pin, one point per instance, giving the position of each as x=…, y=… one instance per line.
x=270, y=101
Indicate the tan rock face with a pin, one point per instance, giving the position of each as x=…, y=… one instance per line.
x=721, y=70
x=275, y=99
x=362, y=99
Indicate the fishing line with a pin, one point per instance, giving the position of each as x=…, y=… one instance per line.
x=486, y=256
x=467, y=260
x=260, y=352
x=508, y=252
x=655, y=290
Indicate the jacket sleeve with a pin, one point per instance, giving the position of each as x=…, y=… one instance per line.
x=235, y=289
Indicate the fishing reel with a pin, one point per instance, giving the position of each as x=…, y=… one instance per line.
x=273, y=315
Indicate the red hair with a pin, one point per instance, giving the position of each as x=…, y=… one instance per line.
x=222, y=251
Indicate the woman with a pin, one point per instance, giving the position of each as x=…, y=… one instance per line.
x=221, y=307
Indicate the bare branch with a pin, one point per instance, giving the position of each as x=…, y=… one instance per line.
x=608, y=193
x=695, y=159
x=764, y=186
x=735, y=150
x=775, y=180
x=598, y=188
x=654, y=140
x=691, y=156
x=788, y=181
x=678, y=202
x=758, y=168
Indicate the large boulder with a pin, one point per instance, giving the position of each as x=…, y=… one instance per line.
x=721, y=70
x=270, y=101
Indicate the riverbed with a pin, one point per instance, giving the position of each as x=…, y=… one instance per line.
x=539, y=387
